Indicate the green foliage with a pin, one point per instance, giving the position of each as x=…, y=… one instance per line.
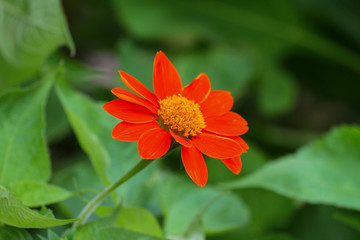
x=30, y=31
x=14, y=213
x=322, y=172
x=291, y=66
x=24, y=154
x=139, y=220
x=7, y=232
x=184, y=204
x=35, y=194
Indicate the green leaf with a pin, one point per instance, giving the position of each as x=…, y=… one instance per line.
x=30, y=31
x=14, y=213
x=34, y=194
x=105, y=228
x=24, y=154
x=325, y=171
x=8, y=232
x=117, y=233
x=83, y=117
x=184, y=203
x=139, y=220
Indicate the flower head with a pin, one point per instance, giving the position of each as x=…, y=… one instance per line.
x=196, y=117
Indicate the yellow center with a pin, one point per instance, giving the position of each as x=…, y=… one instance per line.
x=181, y=115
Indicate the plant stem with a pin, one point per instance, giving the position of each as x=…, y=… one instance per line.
x=95, y=202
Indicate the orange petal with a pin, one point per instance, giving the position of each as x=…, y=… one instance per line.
x=138, y=87
x=198, y=90
x=154, y=143
x=195, y=165
x=242, y=143
x=218, y=103
x=130, y=97
x=129, y=112
x=181, y=140
x=125, y=131
x=216, y=146
x=166, y=80
x=234, y=164
x=229, y=124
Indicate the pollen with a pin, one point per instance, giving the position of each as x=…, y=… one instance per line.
x=181, y=115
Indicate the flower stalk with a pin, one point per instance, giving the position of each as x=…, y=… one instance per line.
x=96, y=201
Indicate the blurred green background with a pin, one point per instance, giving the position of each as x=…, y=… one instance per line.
x=293, y=68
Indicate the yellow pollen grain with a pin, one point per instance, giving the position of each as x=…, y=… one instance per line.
x=181, y=115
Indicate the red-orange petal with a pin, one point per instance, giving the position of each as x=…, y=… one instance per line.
x=181, y=140
x=125, y=131
x=217, y=146
x=130, y=97
x=234, y=164
x=217, y=103
x=154, y=143
x=242, y=143
x=198, y=90
x=138, y=87
x=195, y=165
x=166, y=80
x=229, y=124
x=129, y=112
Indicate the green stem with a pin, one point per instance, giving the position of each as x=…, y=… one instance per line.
x=95, y=202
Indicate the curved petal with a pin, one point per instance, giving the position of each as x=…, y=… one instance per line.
x=242, y=143
x=154, y=143
x=195, y=165
x=229, y=124
x=234, y=164
x=166, y=80
x=125, y=131
x=130, y=97
x=129, y=112
x=181, y=140
x=218, y=103
x=198, y=90
x=216, y=146
x=138, y=87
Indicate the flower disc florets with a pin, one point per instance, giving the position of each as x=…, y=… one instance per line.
x=181, y=115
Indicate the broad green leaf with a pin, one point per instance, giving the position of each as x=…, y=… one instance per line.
x=277, y=91
x=24, y=155
x=118, y=233
x=105, y=228
x=9, y=233
x=139, y=220
x=325, y=171
x=35, y=194
x=82, y=114
x=184, y=204
x=30, y=30
x=14, y=213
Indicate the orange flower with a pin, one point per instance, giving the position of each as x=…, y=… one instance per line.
x=196, y=117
